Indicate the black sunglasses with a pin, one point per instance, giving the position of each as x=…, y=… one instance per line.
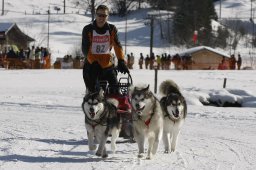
x=102, y=15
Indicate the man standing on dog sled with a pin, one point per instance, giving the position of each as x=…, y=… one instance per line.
x=98, y=38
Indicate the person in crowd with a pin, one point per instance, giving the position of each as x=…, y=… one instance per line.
x=232, y=62
x=141, y=61
x=28, y=51
x=147, y=61
x=158, y=61
x=223, y=64
x=32, y=57
x=131, y=61
x=32, y=53
x=168, y=61
x=152, y=61
x=98, y=38
x=22, y=54
x=11, y=54
x=37, y=53
x=163, y=62
x=239, y=62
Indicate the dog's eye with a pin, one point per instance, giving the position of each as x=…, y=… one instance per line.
x=142, y=100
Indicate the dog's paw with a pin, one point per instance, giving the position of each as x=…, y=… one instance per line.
x=98, y=154
x=140, y=155
x=172, y=149
x=149, y=156
x=113, y=149
x=105, y=155
x=166, y=151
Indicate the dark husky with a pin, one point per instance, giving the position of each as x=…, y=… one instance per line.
x=175, y=110
x=101, y=119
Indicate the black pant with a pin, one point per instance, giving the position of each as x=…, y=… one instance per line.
x=93, y=74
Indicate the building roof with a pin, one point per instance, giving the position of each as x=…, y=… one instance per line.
x=199, y=48
x=6, y=27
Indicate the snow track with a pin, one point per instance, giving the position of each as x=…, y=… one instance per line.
x=46, y=131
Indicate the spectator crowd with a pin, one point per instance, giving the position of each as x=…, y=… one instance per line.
x=33, y=58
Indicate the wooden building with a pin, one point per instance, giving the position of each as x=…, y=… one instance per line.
x=11, y=35
x=204, y=57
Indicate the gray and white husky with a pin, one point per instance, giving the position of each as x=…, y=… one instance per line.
x=175, y=110
x=101, y=119
x=147, y=119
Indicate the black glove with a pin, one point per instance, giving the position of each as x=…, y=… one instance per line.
x=121, y=67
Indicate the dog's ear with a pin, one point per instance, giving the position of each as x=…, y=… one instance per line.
x=147, y=88
x=163, y=101
x=85, y=98
x=101, y=93
x=148, y=92
x=183, y=100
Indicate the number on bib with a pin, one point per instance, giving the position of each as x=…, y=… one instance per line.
x=100, y=48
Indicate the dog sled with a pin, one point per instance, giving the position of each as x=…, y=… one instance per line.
x=124, y=109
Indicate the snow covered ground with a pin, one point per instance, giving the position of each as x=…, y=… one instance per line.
x=42, y=124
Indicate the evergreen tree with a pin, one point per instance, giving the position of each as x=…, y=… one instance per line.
x=221, y=39
x=193, y=16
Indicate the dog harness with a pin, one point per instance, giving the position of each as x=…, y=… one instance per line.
x=147, y=122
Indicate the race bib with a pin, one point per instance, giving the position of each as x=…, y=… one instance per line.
x=100, y=43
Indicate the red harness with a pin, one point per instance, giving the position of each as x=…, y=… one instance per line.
x=147, y=122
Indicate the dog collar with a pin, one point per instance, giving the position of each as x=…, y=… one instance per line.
x=147, y=122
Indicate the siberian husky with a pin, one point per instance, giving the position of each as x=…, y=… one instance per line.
x=175, y=110
x=147, y=119
x=101, y=119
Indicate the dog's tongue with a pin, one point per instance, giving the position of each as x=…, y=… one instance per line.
x=176, y=113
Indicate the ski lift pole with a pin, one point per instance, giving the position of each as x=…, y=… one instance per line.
x=48, y=34
x=156, y=75
x=2, y=7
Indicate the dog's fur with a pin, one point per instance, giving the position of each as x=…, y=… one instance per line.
x=147, y=119
x=101, y=119
x=175, y=110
